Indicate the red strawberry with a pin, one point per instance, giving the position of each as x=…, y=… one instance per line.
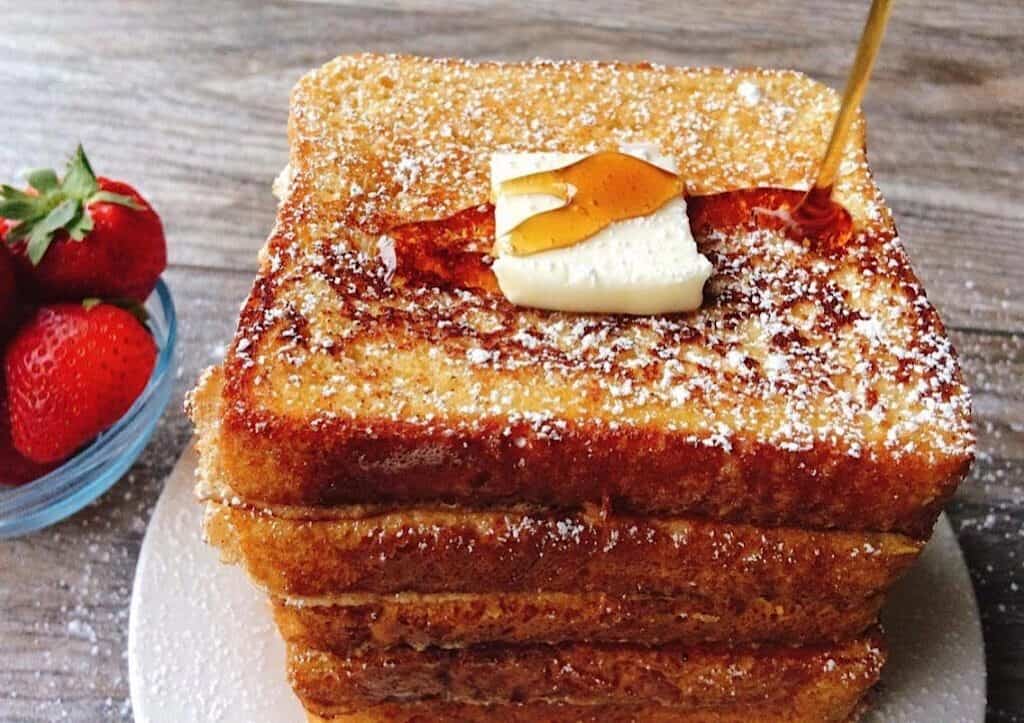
x=72, y=371
x=19, y=266
x=14, y=469
x=9, y=304
x=85, y=236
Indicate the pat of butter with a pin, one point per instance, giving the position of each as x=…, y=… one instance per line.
x=644, y=265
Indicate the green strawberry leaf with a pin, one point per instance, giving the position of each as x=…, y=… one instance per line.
x=41, y=233
x=119, y=198
x=80, y=226
x=18, y=210
x=79, y=180
x=42, y=179
x=58, y=204
x=20, y=206
x=12, y=192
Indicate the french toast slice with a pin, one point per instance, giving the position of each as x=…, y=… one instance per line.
x=815, y=388
x=355, y=621
x=687, y=679
x=427, y=550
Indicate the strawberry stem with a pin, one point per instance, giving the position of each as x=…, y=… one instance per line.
x=58, y=205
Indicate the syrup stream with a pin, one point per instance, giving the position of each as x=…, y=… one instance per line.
x=816, y=211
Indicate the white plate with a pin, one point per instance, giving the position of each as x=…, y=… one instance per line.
x=202, y=646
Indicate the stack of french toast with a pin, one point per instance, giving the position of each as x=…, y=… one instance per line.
x=466, y=510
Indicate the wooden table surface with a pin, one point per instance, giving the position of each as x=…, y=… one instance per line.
x=189, y=99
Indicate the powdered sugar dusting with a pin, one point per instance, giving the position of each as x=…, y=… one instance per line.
x=386, y=253
x=792, y=348
x=415, y=135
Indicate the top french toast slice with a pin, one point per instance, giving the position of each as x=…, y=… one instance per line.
x=376, y=361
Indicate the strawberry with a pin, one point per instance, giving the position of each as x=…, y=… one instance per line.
x=83, y=236
x=72, y=371
x=14, y=469
x=9, y=303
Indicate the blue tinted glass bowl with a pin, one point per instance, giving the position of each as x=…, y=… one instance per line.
x=96, y=468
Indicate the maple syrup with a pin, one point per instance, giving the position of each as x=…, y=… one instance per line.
x=773, y=208
x=819, y=218
x=817, y=215
x=598, y=190
x=451, y=252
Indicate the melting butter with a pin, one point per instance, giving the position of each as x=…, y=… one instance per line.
x=595, y=192
x=605, y=232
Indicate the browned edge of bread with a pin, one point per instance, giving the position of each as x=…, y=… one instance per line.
x=444, y=551
x=685, y=678
x=354, y=622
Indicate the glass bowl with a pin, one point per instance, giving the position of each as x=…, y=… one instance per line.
x=96, y=468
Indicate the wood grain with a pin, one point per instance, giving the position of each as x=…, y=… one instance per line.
x=189, y=100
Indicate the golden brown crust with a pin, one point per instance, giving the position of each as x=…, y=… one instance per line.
x=803, y=710
x=433, y=551
x=336, y=462
x=581, y=674
x=458, y=620
x=383, y=140
x=815, y=388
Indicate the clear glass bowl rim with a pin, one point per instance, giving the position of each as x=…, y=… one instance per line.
x=96, y=468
